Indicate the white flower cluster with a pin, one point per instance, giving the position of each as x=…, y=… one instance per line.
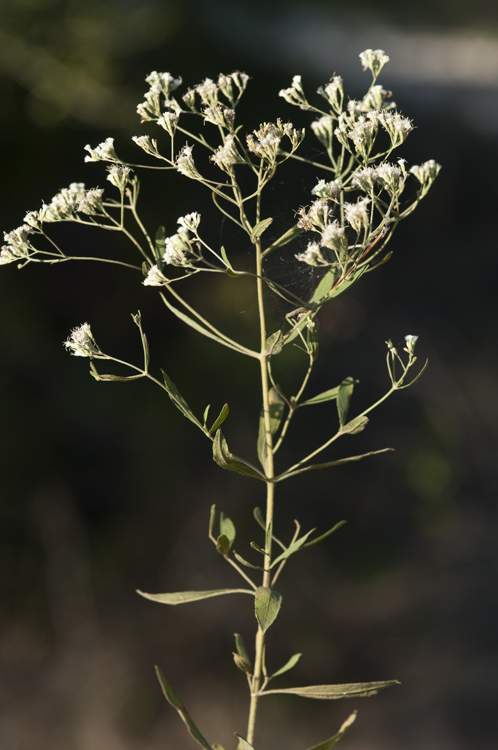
x=119, y=176
x=64, y=205
x=374, y=60
x=147, y=144
x=328, y=191
x=155, y=277
x=316, y=217
x=179, y=250
x=313, y=256
x=17, y=245
x=388, y=176
x=103, y=152
x=209, y=93
x=228, y=155
x=81, y=342
x=410, y=342
x=91, y=203
x=396, y=126
x=333, y=92
x=357, y=214
x=427, y=172
x=185, y=164
x=333, y=237
x=161, y=85
x=295, y=94
x=265, y=142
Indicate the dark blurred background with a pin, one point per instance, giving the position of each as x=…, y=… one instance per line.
x=105, y=489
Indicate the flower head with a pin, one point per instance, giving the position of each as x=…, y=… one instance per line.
x=103, y=152
x=357, y=213
x=313, y=256
x=91, y=203
x=63, y=205
x=410, y=343
x=17, y=245
x=228, y=155
x=328, y=191
x=154, y=277
x=119, y=176
x=185, y=164
x=374, y=60
x=81, y=342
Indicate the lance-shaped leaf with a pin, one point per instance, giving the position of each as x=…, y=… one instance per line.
x=183, y=597
x=338, y=462
x=220, y=419
x=292, y=548
x=260, y=227
x=242, y=663
x=344, y=398
x=244, y=562
x=326, y=534
x=179, y=401
x=227, y=460
x=336, y=692
x=325, y=285
x=267, y=605
x=277, y=406
x=332, y=740
x=259, y=517
x=284, y=239
x=112, y=378
x=243, y=744
x=288, y=665
x=200, y=328
x=174, y=699
x=320, y=398
x=355, y=426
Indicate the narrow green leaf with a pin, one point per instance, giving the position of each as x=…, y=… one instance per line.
x=259, y=517
x=285, y=238
x=205, y=415
x=325, y=285
x=178, y=400
x=292, y=548
x=327, y=465
x=241, y=646
x=260, y=227
x=299, y=327
x=336, y=692
x=230, y=462
x=327, y=533
x=218, y=747
x=288, y=665
x=242, y=663
x=183, y=597
x=259, y=549
x=356, y=425
x=332, y=740
x=329, y=395
x=112, y=378
x=229, y=266
x=244, y=562
x=227, y=528
x=243, y=744
x=197, y=326
x=277, y=407
x=159, y=243
x=223, y=545
x=344, y=397
x=220, y=419
x=273, y=344
x=174, y=699
x=267, y=605
x=212, y=518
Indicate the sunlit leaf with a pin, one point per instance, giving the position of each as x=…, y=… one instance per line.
x=220, y=419
x=244, y=562
x=178, y=400
x=356, y=425
x=260, y=227
x=267, y=605
x=242, y=663
x=292, y=548
x=277, y=407
x=259, y=517
x=229, y=461
x=243, y=744
x=223, y=545
x=183, y=597
x=337, y=692
x=285, y=238
x=288, y=665
x=227, y=528
x=329, y=395
x=273, y=344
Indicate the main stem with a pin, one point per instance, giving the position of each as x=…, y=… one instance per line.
x=270, y=487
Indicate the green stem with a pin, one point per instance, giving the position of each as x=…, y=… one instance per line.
x=260, y=636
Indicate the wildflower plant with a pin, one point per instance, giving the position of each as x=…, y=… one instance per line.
x=362, y=194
